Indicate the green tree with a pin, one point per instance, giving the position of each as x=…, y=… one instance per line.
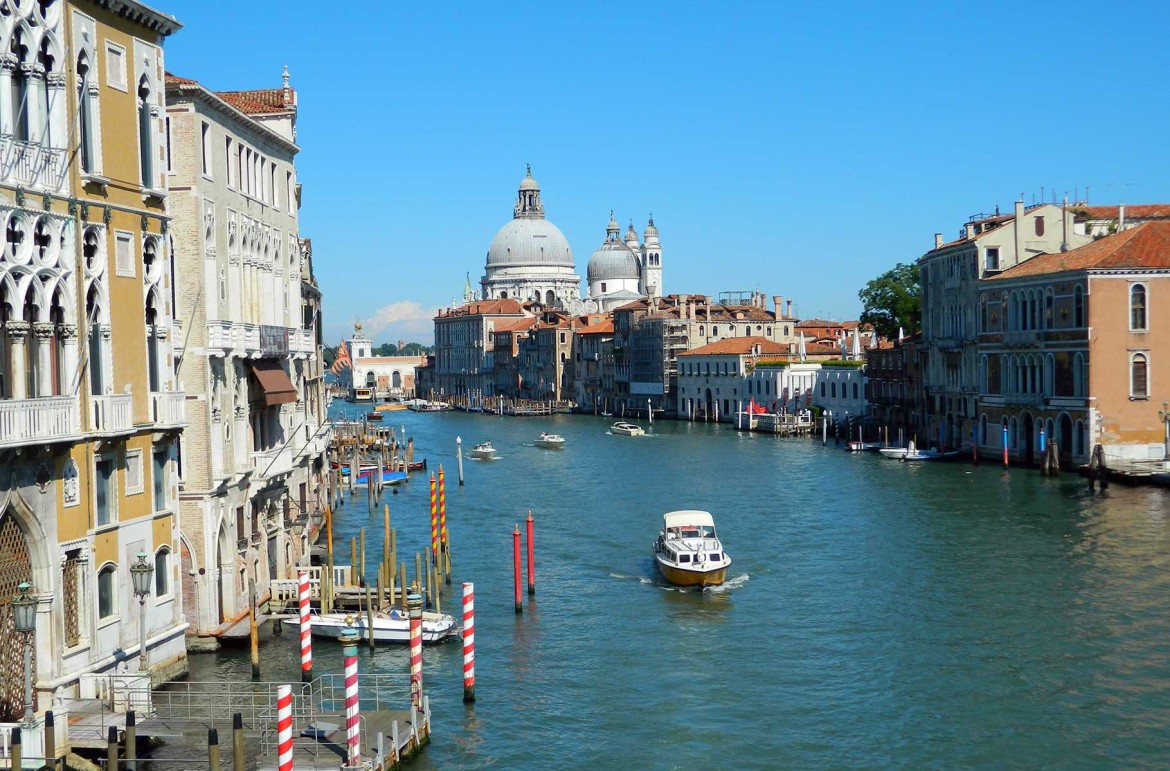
x=328, y=355
x=893, y=300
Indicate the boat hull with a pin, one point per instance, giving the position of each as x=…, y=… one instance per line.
x=690, y=577
x=436, y=629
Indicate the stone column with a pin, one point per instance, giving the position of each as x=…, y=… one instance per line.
x=34, y=101
x=56, y=134
x=18, y=352
x=43, y=333
x=107, y=362
x=8, y=65
x=67, y=337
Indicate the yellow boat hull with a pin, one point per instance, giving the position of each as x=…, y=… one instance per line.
x=685, y=577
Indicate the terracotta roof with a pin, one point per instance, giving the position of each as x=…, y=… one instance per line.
x=822, y=349
x=514, y=325
x=170, y=78
x=741, y=346
x=263, y=101
x=1145, y=246
x=1136, y=212
x=604, y=328
x=821, y=323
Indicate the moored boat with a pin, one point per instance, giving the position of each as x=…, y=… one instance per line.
x=550, y=441
x=419, y=466
x=626, y=429
x=688, y=552
x=483, y=451
x=391, y=625
x=375, y=415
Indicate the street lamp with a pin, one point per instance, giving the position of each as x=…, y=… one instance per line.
x=140, y=575
x=1164, y=414
x=24, y=612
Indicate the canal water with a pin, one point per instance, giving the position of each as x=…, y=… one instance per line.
x=877, y=613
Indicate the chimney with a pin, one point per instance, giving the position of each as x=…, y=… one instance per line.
x=938, y=240
x=1019, y=232
x=789, y=314
x=969, y=228
x=778, y=304
x=684, y=305
x=1121, y=218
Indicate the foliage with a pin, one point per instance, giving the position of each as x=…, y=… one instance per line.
x=893, y=300
x=773, y=363
x=328, y=355
x=843, y=363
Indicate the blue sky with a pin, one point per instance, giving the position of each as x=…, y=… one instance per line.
x=799, y=150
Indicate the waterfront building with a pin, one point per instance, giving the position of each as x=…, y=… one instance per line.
x=546, y=371
x=253, y=458
x=840, y=389
x=1072, y=344
x=713, y=379
x=949, y=274
x=506, y=339
x=89, y=404
x=464, y=345
x=894, y=385
x=593, y=371
x=373, y=378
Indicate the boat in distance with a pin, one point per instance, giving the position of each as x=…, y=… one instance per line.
x=688, y=551
x=391, y=625
x=627, y=429
x=550, y=441
x=483, y=451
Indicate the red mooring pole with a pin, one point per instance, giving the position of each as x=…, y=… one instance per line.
x=531, y=560
x=516, y=565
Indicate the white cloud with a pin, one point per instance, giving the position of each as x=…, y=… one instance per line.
x=404, y=319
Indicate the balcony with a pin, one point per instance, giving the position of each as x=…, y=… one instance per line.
x=1022, y=337
x=168, y=409
x=1023, y=400
x=33, y=421
x=26, y=164
x=300, y=341
x=272, y=463
x=112, y=414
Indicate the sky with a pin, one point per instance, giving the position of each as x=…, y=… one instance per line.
x=795, y=149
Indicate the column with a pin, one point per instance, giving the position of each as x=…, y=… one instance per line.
x=107, y=362
x=18, y=356
x=8, y=65
x=67, y=339
x=43, y=333
x=34, y=102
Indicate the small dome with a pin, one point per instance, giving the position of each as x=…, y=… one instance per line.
x=650, y=229
x=613, y=226
x=528, y=183
x=530, y=241
x=631, y=234
x=612, y=261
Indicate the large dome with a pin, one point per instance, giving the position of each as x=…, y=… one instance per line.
x=530, y=241
x=612, y=261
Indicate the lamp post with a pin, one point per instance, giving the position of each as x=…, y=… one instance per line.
x=1164, y=414
x=140, y=575
x=24, y=612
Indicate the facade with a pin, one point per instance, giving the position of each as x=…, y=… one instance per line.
x=713, y=378
x=370, y=377
x=545, y=367
x=893, y=386
x=1073, y=345
x=949, y=275
x=255, y=447
x=840, y=390
x=89, y=403
x=464, y=345
x=529, y=258
x=593, y=374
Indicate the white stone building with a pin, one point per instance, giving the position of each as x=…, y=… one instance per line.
x=255, y=447
x=370, y=377
x=621, y=272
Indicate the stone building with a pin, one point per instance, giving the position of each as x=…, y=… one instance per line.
x=89, y=405
x=622, y=271
x=464, y=345
x=372, y=378
x=255, y=447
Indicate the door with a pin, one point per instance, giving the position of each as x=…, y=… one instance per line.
x=1029, y=438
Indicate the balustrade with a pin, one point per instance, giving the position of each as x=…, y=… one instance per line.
x=25, y=421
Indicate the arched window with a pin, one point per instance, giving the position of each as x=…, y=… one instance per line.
x=983, y=429
x=1139, y=383
x=1078, y=307
x=1137, y=308
x=701, y=331
x=18, y=47
x=107, y=585
x=822, y=390
x=162, y=572
x=855, y=390
x=983, y=313
x=503, y=295
x=47, y=61
x=1079, y=438
x=833, y=390
x=1048, y=307
x=549, y=298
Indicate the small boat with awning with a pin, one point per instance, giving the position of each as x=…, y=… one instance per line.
x=688, y=551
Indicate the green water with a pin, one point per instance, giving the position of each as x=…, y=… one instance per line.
x=877, y=613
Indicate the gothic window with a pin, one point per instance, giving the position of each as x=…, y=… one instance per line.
x=104, y=492
x=19, y=49
x=71, y=597
x=1137, y=308
x=159, y=477
x=1139, y=385
x=107, y=587
x=85, y=115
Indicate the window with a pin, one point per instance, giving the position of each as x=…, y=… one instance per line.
x=1137, y=308
x=822, y=390
x=227, y=154
x=133, y=472
x=162, y=572
x=106, y=586
x=1078, y=306
x=991, y=258
x=855, y=390
x=145, y=134
x=160, y=479
x=1039, y=227
x=833, y=390
x=103, y=505
x=603, y=287
x=115, y=66
x=124, y=253
x=290, y=194
x=168, y=148
x=1139, y=383
x=71, y=597
x=85, y=124
x=205, y=146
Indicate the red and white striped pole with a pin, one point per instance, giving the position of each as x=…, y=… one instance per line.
x=349, y=640
x=284, y=748
x=306, y=627
x=415, y=611
x=468, y=642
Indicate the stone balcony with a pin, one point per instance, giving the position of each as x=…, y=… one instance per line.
x=112, y=414
x=30, y=165
x=272, y=463
x=38, y=421
x=168, y=409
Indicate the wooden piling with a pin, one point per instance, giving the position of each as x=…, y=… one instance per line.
x=369, y=618
x=362, y=553
x=50, y=741
x=254, y=638
x=16, y=747
x=238, y=742
x=418, y=574
x=213, y=749
x=131, y=738
x=516, y=566
x=111, y=748
x=386, y=539
x=353, y=555
x=402, y=587
x=531, y=559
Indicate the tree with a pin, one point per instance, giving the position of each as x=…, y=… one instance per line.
x=893, y=300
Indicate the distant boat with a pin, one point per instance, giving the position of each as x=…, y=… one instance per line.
x=688, y=551
x=550, y=441
x=374, y=416
x=858, y=446
x=419, y=466
x=627, y=429
x=391, y=625
x=483, y=451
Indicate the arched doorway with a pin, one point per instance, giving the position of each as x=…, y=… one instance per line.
x=1029, y=438
x=708, y=405
x=15, y=568
x=224, y=563
x=1066, y=440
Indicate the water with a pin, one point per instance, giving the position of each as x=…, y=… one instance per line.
x=877, y=613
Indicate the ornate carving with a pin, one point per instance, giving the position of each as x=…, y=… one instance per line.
x=71, y=489
x=9, y=62
x=17, y=331
x=43, y=330
x=105, y=331
x=47, y=201
x=67, y=332
x=107, y=215
x=145, y=224
x=56, y=79
x=84, y=211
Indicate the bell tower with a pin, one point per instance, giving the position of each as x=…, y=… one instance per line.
x=651, y=261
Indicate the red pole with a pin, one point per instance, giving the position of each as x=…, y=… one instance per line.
x=531, y=560
x=516, y=565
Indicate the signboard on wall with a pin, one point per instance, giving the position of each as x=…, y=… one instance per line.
x=273, y=340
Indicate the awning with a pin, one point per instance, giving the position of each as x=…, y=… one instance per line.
x=278, y=389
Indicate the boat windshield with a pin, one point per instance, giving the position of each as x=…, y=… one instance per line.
x=691, y=531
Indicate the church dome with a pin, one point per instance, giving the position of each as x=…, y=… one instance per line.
x=530, y=241
x=651, y=230
x=613, y=261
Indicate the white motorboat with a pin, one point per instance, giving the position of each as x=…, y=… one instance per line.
x=483, y=451
x=893, y=453
x=391, y=625
x=626, y=429
x=550, y=441
x=688, y=551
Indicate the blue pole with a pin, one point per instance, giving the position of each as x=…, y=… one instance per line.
x=1041, y=439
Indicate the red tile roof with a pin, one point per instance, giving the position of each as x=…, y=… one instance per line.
x=263, y=101
x=741, y=346
x=1145, y=246
x=516, y=325
x=1135, y=212
x=604, y=328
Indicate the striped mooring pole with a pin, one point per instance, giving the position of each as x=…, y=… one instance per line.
x=349, y=640
x=434, y=522
x=468, y=642
x=442, y=510
x=306, y=628
x=284, y=749
x=415, y=610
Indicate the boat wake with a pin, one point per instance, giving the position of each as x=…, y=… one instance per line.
x=727, y=586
